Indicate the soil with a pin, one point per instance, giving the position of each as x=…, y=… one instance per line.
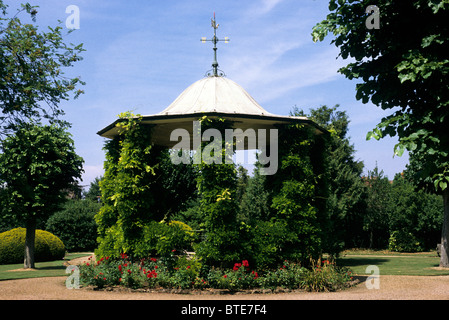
x=391, y=288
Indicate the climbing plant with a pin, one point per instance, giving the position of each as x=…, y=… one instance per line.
x=297, y=195
x=217, y=186
x=127, y=189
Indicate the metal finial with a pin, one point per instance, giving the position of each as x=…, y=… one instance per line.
x=215, y=40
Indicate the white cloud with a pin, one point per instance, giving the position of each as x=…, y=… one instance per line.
x=91, y=172
x=267, y=5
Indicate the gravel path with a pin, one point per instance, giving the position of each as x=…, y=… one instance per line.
x=391, y=288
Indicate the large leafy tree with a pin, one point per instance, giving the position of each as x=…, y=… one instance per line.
x=32, y=62
x=403, y=67
x=38, y=164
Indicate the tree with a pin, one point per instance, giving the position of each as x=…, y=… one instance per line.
x=346, y=201
x=94, y=192
x=403, y=66
x=415, y=217
x=31, y=64
x=378, y=208
x=37, y=164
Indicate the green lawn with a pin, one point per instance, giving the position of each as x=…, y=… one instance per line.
x=416, y=264
x=43, y=269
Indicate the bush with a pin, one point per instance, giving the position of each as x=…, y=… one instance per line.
x=402, y=241
x=325, y=276
x=48, y=247
x=75, y=225
x=156, y=239
x=181, y=273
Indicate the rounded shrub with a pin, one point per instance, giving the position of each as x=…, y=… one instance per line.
x=75, y=225
x=48, y=247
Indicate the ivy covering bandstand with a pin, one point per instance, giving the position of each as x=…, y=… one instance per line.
x=203, y=127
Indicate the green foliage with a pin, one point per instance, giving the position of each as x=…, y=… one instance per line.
x=254, y=201
x=379, y=208
x=162, y=239
x=403, y=71
x=31, y=64
x=37, y=164
x=296, y=195
x=346, y=200
x=75, y=225
x=326, y=276
x=416, y=216
x=139, y=189
x=217, y=185
x=265, y=243
x=127, y=188
x=181, y=273
x=94, y=192
x=402, y=241
x=399, y=216
x=48, y=247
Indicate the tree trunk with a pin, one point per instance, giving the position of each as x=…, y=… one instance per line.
x=444, y=255
x=29, y=243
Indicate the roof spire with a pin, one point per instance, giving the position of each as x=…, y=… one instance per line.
x=215, y=40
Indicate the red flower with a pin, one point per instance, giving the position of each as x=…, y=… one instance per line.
x=153, y=259
x=225, y=276
x=152, y=274
x=236, y=266
x=188, y=267
x=245, y=263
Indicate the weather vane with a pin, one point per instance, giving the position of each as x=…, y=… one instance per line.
x=215, y=40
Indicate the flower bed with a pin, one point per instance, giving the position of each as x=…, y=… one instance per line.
x=180, y=273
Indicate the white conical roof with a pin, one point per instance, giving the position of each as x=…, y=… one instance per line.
x=214, y=94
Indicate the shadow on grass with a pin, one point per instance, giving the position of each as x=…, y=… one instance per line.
x=49, y=268
x=354, y=261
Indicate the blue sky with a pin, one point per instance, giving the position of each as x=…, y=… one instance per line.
x=142, y=54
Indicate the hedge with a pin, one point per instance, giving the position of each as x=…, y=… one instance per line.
x=48, y=247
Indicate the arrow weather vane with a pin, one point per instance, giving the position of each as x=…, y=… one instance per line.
x=215, y=40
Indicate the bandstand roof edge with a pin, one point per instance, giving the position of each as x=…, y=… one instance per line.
x=214, y=97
